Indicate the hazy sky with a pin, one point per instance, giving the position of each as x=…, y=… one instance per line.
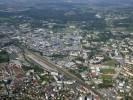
x=74, y=1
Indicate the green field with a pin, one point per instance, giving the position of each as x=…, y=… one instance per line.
x=107, y=81
x=106, y=77
x=107, y=71
x=111, y=63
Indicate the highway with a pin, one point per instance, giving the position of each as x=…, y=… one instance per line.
x=47, y=64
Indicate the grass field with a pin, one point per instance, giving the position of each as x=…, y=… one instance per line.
x=107, y=71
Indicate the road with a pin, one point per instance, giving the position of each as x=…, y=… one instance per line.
x=45, y=63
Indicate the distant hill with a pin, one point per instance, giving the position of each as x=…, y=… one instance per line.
x=13, y=3
x=72, y=1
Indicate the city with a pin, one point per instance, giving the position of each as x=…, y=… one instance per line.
x=66, y=51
